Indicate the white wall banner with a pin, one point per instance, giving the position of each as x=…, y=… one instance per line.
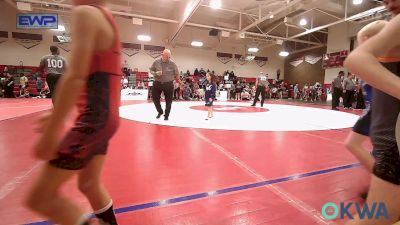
x=312, y=59
x=297, y=62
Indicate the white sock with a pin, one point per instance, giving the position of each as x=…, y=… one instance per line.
x=105, y=208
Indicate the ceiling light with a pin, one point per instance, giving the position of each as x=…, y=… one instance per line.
x=303, y=22
x=283, y=53
x=61, y=28
x=271, y=16
x=215, y=4
x=197, y=43
x=144, y=38
x=357, y=2
x=253, y=49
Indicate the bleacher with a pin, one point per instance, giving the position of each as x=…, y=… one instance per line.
x=29, y=71
x=141, y=76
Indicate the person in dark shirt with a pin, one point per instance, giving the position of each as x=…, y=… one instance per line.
x=377, y=62
x=261, y=83
x=211, y=89
x=9, y=87
x=348, y=91
x=202, y=72
x=337, y=89
x=238, y=90
x=53, y=66
x=165, y=71
x=278, y=74
x=360, y=103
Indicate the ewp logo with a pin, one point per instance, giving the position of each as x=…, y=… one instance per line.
x=37, y=21
x=331, y=211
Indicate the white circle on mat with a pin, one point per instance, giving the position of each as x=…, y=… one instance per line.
x=274, y=117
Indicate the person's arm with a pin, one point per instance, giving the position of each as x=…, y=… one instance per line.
x=213, y=91
x=363, y=60
x=177, y=76
x=153, y=69
x=344, y=85
x=42, y=65
x=65, y=65
x=84, y=21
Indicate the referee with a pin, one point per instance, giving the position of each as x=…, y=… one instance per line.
x=261, y=83
x=53, y=66
x=337, y=90
x=165, y=72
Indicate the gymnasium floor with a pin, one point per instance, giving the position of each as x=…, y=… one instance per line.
x=278, y=165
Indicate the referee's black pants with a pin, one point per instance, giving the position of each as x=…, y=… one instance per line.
x=348, y=99
x=260, y=90
x=52, y=80
x=337, y=92
x=168, y=89
x=176, y=93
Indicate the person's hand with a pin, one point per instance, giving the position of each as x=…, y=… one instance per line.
x=344, y=91
x=42, y=123
x=45, y=147
x=159, y=73
x=210, y=99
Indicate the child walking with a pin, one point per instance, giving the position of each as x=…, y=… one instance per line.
x=211, y=89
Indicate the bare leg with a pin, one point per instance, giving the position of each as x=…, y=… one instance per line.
x=90, y=184
x=381, y=192
x=354, y=143
x=45, y=199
